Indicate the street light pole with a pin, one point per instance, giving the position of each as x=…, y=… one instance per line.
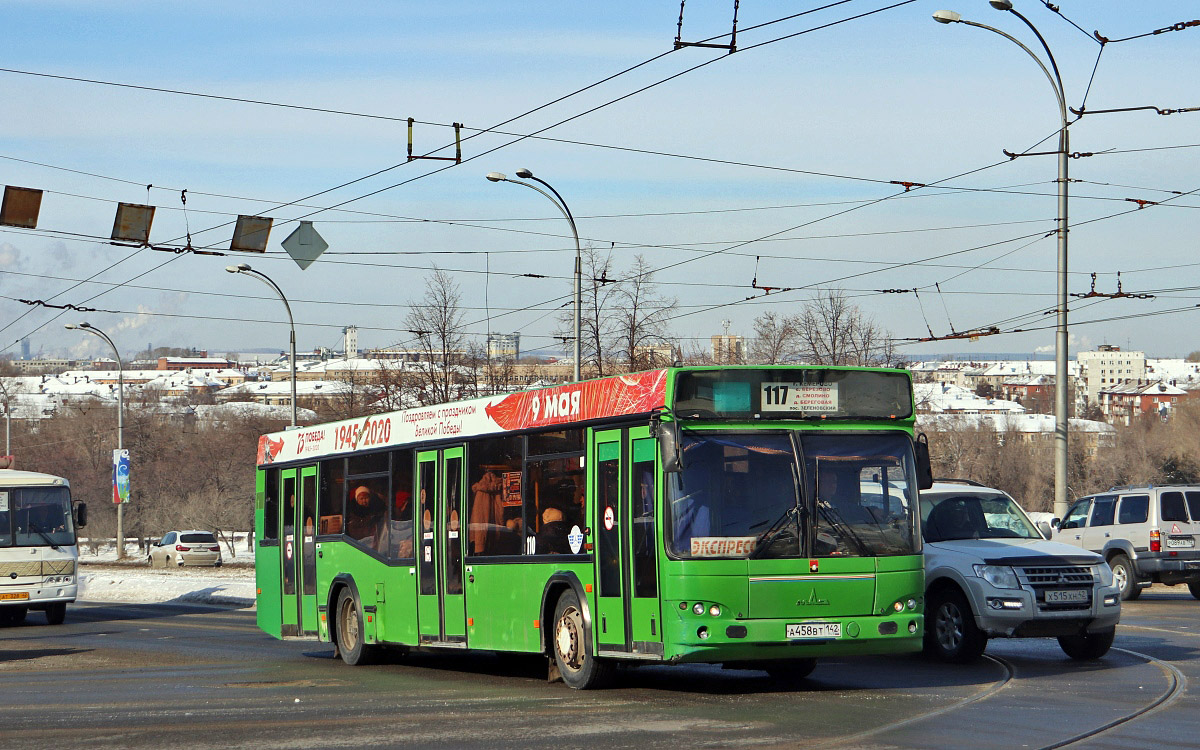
x=245, y=268
x=558, y=201
x=89, y=328
x=1061, y=418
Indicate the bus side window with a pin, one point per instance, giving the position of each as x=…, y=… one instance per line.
x=271, y=506
x=495, y=525
x=556, y=486
x=333, y=494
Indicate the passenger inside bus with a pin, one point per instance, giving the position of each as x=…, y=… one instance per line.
x=400, y=530
x=365, y=515
x=552, y=536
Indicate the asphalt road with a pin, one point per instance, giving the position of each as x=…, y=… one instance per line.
x=179, y=676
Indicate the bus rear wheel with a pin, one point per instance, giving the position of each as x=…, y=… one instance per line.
x=579, y=667
x=56, y=613
x=349, y=631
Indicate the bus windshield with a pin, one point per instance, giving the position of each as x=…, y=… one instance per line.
x=742, y=495
x=36, y=517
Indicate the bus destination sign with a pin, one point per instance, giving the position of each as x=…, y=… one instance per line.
x=806, y=398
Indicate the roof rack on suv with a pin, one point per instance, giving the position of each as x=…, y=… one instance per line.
x=948, y=480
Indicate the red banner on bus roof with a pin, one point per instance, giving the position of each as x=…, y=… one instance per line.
x=579, y=402
x=621, y=395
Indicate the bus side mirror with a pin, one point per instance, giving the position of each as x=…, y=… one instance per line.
x=924, y=467
x=81, y=515
x=668, y=447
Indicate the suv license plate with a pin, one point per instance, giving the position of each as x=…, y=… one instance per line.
x=814, y=630
x=1181, y=541
x=1072, y=596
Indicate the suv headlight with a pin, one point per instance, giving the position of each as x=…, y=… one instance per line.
x=1104, y=574
x=1000, y=576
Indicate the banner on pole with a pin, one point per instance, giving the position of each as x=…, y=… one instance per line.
x=120, y=476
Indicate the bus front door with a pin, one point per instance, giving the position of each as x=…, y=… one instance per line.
x=441, y=606
x=628, y=619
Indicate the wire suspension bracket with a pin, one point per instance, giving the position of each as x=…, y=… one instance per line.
x=732, y=46
x=457, y=158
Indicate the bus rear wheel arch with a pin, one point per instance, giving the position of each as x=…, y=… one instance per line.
x=571, y=646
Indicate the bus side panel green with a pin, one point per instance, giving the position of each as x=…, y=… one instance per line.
x=394, y=620
x=267, y=571
x=499, y=615
x=504, y=603
x=398, y=611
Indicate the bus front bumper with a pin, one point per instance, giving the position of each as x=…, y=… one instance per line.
x=755, y=640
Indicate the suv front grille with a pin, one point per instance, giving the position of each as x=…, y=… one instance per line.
x=1058, y=578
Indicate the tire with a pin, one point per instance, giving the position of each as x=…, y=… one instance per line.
x=13, y=615
x=572, y=647
x=1125, y=578
x=791, y=671
x=349, y=631
x=951, y=634
x=1087, y=646
x=1195, y=589
x=56, y=613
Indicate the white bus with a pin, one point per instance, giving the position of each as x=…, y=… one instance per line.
x=38, y=552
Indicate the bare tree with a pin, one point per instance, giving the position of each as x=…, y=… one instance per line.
x=599, y=295
x=643, y=316
x=437, y=320
x=834, y=331
x=775, y=338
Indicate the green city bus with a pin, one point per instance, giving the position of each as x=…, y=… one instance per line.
x=758, y=517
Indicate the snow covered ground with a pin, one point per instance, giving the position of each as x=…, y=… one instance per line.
x=102, y=579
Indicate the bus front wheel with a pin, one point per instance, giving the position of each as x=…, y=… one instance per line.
x=349, y=631
x=56, y=613
x=579, y=667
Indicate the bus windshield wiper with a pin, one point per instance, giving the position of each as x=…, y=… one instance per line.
x=842, y=528
x=34, y=527
x=773, y=530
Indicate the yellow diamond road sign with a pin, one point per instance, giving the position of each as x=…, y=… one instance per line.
x=305, y=245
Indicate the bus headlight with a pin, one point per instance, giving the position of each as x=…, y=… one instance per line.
x=698, y=608
x=1000, y=576
x=715, y=610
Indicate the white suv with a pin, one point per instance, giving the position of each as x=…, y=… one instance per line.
x=1148, y=534
x=991, y=573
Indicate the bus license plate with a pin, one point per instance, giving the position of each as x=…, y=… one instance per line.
x=814, y=630
x=11, y=595
x=1062, y=597
x=1181, y=541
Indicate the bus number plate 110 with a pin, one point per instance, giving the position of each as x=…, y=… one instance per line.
x=820, y=630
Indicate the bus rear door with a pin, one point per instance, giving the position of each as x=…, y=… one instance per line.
x=628, y=618
x=297, y=519
x=441, y=606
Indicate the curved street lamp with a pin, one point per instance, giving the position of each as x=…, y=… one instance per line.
x=558, y=201
x=1060, y=348
x=244, y=268
x=89, y=328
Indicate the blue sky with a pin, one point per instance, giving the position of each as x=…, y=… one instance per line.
x=891, y=96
